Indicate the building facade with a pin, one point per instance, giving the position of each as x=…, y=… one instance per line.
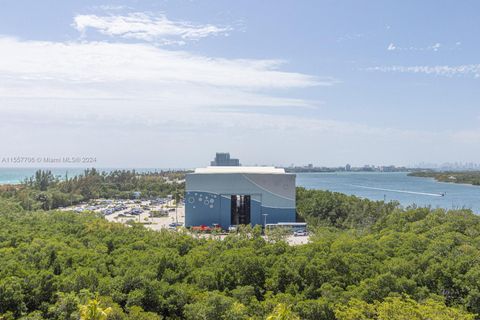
x=239, y=195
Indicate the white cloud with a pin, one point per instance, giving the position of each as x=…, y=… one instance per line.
x=110, y=7
x=351, y=36
x=142, y=71
x=52, y=93
x=448, y=71
x=100, y=99
x=147, y=27
x=88, y=96
x=433, y=47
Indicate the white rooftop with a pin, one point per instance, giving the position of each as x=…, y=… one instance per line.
x=263, y=170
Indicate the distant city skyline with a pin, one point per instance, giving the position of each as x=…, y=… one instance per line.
x=167, y=84
x=421, y=165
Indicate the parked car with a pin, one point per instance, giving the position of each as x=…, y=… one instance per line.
x=232, y=228
x=202, y=228
x=174, y=225
x=136, y=211
x=300, y=233
x=217, y=227
x=107, y=212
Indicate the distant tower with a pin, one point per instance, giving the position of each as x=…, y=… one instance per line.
x=222, y=159
x=348, y=167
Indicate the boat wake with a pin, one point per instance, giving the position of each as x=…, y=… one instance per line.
x=400, y=191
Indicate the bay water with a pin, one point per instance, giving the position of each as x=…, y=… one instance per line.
x=396, y=186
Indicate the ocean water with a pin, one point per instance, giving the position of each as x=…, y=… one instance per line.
x=395, y=186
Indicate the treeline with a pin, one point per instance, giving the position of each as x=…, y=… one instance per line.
x=325, y=208
x=46, y=191
x=466, y=177
x=413, y=263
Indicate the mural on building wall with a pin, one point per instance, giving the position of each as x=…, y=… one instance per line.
x=208, y=198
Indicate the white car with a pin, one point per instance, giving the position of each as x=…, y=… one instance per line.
x=300, y=233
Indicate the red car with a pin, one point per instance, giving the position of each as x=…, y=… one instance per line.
x=205, y=228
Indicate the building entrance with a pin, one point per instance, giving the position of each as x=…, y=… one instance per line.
x=240, y=209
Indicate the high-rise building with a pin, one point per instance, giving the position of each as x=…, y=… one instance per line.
x=223, y=160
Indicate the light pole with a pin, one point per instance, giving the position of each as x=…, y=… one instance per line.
x=264, y=220
x=176, y=206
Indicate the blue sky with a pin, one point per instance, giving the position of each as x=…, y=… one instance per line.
x=169, y=83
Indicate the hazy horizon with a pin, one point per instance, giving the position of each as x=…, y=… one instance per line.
x=447, y=165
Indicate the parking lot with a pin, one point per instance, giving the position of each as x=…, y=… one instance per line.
x=153, y=214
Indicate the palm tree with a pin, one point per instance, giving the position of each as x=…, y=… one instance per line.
x=92, y=311
x=282, y=312
x=177, y=196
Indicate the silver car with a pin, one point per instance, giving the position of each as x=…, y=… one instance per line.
x=300, y=233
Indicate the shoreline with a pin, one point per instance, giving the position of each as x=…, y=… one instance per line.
x=440, y=177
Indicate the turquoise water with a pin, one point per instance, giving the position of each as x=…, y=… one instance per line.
x=395, y=186
x=18, y=175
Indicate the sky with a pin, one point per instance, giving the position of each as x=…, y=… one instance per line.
x=166, y=84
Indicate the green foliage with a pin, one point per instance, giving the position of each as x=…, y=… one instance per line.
x=137, y=313
x=278, y=234
x=400, y=309
x=92, y=311
x=215, y=306
x=466, y=177
x=9, y=206
x=417, y=263
x=325, y=208
x=65, y=307
x=12, y=297
x=45, y=191
x=314, y=310
x=282, y=312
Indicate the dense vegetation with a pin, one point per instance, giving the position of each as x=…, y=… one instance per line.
x=467, y=177
x=325, y=208
x=45, y=191
x=367, y=260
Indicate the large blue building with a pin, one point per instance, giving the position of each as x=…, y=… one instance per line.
x=239, y=195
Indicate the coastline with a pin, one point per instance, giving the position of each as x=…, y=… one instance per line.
x=469, y=178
